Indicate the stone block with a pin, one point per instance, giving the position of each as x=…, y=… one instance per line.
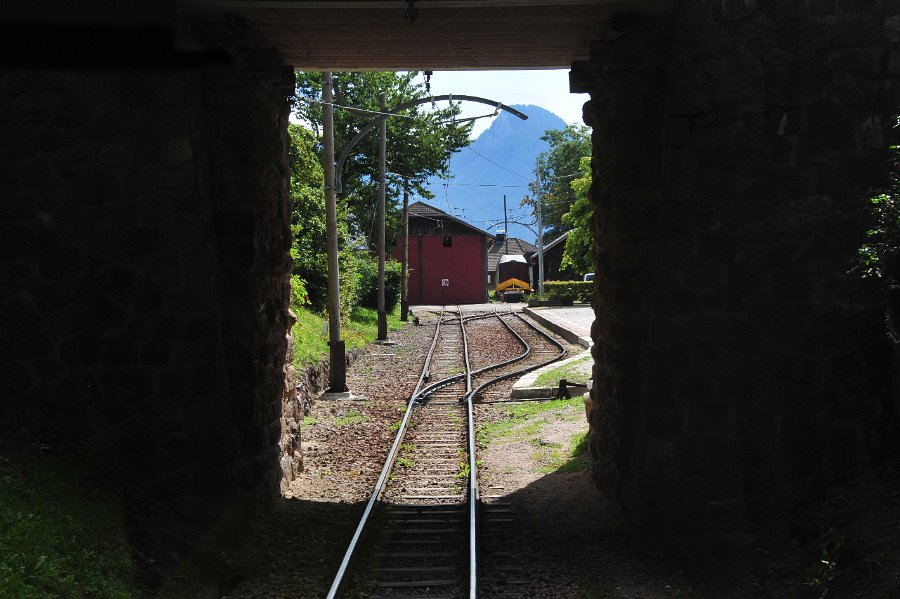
x=114, y=154
x=740, y=88
x=787, y=9
x=35, y=171
x=695, y=390
x=156, y=352
x=819, y=8
x=659, y=459
x=180, y=149
x=16, y=376
x=849, y=7
x=117, y=349
x=18, y=141
x=103, y=311
x=708, y=417
x=873, y=133
x=731, y=10
x=779, y=86
x=891, y=31
x=179, y=177
x=712, y=138
x=95, y=189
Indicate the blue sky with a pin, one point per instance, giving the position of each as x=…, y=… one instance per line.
x=548, y=89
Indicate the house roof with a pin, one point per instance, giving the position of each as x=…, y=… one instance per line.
x=423, y=210
x=498, y=249
x=561, y=239
x=549, y=246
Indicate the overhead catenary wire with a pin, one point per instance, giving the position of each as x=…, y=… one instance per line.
x=412, y=117
x=498, y=165
x=483, y=185
x=360, y=110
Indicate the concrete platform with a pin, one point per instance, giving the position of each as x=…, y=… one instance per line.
x=525, y=388
x=572, y=323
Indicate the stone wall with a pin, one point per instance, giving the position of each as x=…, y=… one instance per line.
x=740, y=369
x=144, y=227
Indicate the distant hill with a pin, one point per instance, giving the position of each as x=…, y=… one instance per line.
x=475, y=190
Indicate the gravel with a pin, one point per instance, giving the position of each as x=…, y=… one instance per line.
x=564, y=531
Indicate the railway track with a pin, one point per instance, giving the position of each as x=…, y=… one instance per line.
x=421, y=522
x=539, y=350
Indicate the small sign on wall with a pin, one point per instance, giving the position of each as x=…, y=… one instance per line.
x=445, y=282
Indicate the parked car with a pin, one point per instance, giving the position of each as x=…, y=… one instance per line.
x=589, y=276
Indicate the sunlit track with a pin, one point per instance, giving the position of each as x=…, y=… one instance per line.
x=503, y=573
x=421, y=541
x=421, y=523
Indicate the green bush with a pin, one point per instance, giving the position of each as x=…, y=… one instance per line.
x=577, y=291
x=311, y=336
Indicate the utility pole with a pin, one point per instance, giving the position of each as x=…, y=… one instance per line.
x=382, y=150
x=505, y=227
x=337, y=364
x=540, y=239
x=404, y=271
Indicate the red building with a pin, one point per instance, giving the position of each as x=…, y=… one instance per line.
x=447, y=258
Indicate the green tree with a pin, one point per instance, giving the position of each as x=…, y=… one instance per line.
x=578, y=253
x=309, y=283
x=420, y=140
x=554, y=170
x=307, y=218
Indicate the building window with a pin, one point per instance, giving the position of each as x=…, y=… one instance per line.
x=448, y=241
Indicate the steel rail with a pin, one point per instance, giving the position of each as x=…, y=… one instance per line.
x=521, y=356
x=473, y=474
x=473, y=465
x=389, y=462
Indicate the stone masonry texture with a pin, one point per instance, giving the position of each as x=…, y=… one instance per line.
x=740, y=368
x=144, y=320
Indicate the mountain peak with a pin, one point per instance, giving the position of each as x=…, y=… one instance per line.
x=500, y=161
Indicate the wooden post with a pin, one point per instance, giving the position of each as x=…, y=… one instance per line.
x=382, y=150
x=404, y=272
x=337, y=365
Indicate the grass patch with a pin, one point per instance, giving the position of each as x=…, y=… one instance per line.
x=572, y=371
x=362, y=327
x=311, y=346
x=525, y=420
x=555, y=460
x=351, y=418
x=61, y=535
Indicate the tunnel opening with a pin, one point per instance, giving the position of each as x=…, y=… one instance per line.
x=740, y=370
